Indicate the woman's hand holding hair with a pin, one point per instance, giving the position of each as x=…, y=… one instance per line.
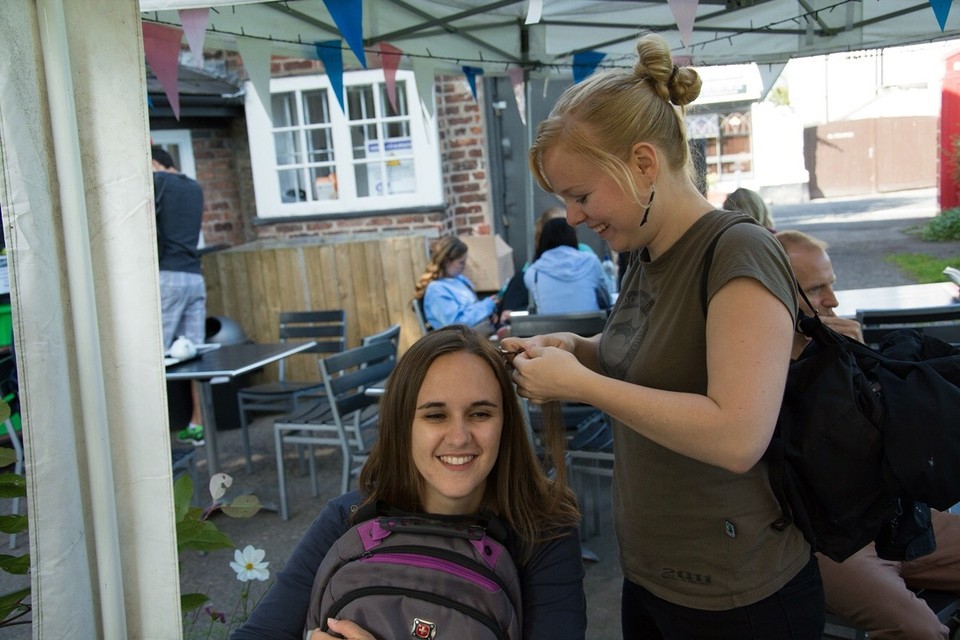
x=545, y=373
x=565, y=341
x=344, y=629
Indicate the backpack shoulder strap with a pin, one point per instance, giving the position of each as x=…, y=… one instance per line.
x=708, y=258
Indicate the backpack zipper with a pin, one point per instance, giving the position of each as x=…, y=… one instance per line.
x=452, y=557
x=350, y=596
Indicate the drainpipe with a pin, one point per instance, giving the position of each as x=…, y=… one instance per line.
x=80, y=282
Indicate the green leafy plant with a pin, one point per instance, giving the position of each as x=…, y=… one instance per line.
x=195, y=531
x=12, y=485
x=922, y=267
x=943, y=226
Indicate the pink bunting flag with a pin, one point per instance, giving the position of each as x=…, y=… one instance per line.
x=194, y=23
x=519, y=91
x=684, y=12
x=390, y=60
x=161, y=46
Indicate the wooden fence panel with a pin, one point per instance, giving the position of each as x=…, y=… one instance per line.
x=371, y=280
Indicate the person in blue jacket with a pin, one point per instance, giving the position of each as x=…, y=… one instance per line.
x=563, y=279
x=452, y=449
x=448, y=296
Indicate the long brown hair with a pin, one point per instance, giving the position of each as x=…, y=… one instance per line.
x=447, y=249
x=517, y=490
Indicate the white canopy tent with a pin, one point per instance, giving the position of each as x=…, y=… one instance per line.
x=494, y=34
x=75, y=195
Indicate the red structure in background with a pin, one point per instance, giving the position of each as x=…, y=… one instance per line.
x=950, y=134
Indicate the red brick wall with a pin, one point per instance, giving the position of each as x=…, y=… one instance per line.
x=216, y=153
x=463, y=157
x=223, y=167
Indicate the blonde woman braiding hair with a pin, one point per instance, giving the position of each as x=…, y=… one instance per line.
x=693, y=392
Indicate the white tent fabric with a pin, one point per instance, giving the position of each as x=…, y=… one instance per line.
x=75, y=194
x=76, y=202
x=492, y=34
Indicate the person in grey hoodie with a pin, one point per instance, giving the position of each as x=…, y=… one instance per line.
x=563, y=279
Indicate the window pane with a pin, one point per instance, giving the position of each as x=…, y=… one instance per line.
x=368, y=177
x=291, y=186
x=324, y=183
x=316, y=109
x=288, y=147
x=365, y=141
x=399, y=129
x=387, y=108
x=401, y=176
x=360, y=102
x=321, y=145
x=284, y=109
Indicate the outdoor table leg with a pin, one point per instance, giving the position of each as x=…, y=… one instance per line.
x=210, y=422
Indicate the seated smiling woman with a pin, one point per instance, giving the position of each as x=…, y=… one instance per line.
x=450, y=449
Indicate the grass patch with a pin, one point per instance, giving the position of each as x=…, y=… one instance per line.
x=922, y=267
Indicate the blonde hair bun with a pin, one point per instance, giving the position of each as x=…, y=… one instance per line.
x=678, y=85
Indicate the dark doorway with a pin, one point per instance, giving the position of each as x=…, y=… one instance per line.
x=510, y=179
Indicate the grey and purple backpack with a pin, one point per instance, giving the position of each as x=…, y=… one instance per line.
x=402, y=575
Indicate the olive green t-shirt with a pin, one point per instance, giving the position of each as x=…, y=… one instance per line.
x=689, y=532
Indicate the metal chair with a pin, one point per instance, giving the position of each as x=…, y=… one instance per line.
x=938, y=322
x=343, y=418
x=590, y=458
x=391, y=334
x=328, y=329
x=589, y=440
x=417, y=305
x=587, y=324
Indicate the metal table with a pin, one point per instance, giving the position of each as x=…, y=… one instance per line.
x=221, y=365
x=911, y=296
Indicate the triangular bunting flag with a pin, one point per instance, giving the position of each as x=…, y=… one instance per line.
x=519, y=92
x=941, y=8
x=331, y=55
x=194, y=23
x=426, y=81
x=348, y=15
x=390, y=60
x=585, y=63
x=256, y=61
x=472, y=73
x=684, y=12
x=161, y=47
x=769, y=74
x=534, y=12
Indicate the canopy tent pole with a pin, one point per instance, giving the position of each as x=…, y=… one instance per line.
x=76, y=195
x=83, y=304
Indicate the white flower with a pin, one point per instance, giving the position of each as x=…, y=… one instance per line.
x=249, y=564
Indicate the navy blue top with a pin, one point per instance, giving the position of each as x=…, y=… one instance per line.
x=179, y=205
x=554, y=605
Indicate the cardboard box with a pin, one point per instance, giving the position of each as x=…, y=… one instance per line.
x=489, y=262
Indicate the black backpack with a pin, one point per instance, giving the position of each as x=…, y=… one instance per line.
x=867, y=440
x=403, y=575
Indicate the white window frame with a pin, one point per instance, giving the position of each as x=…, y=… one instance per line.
x=183, y=141
x=263, y=154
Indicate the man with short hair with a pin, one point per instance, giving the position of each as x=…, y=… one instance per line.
x=873, y=593
x=178, y=200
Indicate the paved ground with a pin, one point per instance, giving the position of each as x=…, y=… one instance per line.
x=861, y=232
